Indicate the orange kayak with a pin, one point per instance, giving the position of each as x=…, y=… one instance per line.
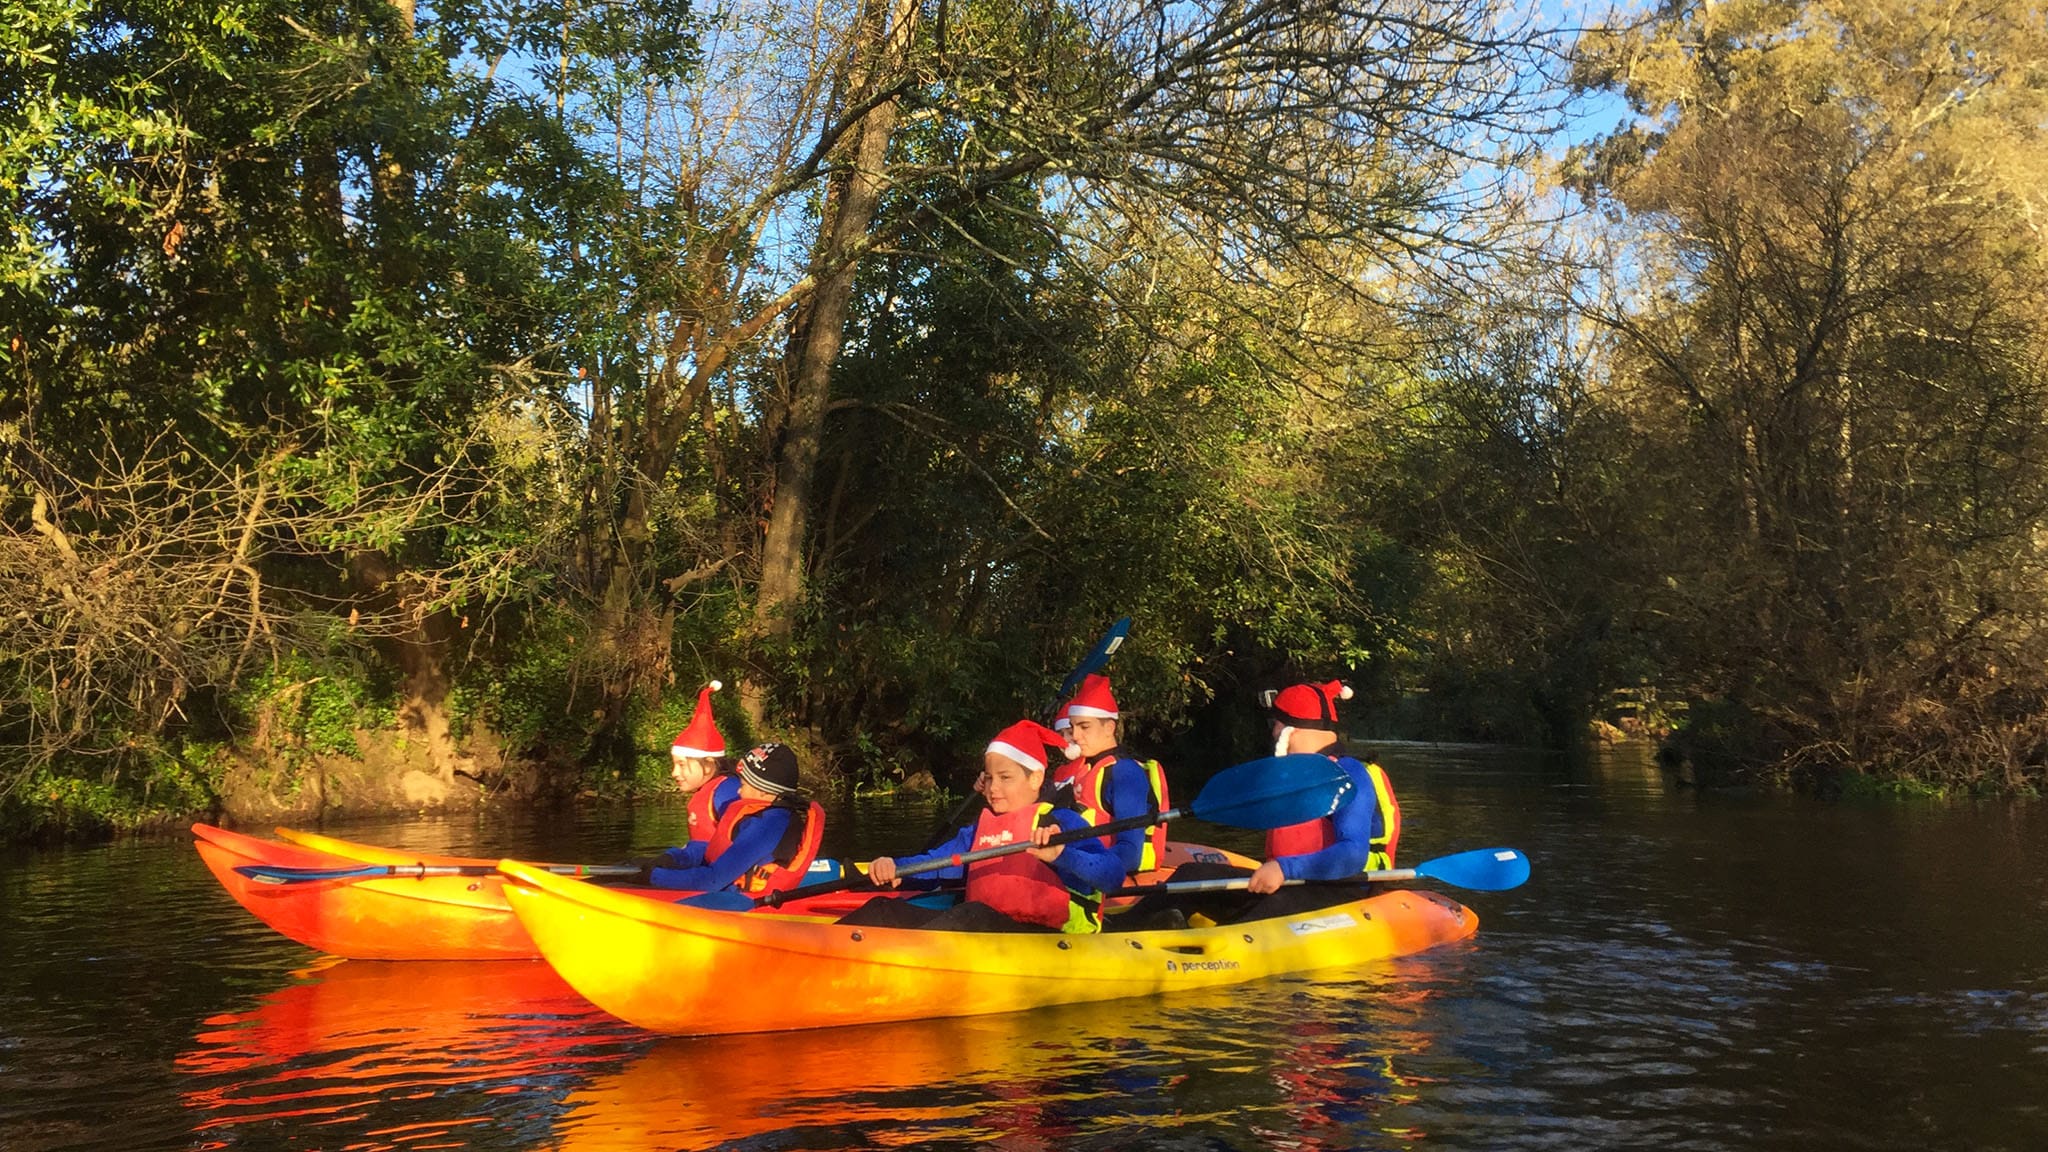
x=430, y=917
x=385, y=918
x=673, y=968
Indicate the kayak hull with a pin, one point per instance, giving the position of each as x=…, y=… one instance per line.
x=675, y=969
x=426, y=917
x=387, y=918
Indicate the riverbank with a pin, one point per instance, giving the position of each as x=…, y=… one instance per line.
x=390, y=773
x=378, y=774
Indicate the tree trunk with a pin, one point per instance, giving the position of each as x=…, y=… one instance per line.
x=422, y=650
x=815, y=342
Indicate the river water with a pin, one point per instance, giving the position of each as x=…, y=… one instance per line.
x=1683, y=972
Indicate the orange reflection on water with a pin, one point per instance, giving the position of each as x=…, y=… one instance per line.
x=1000, y=1079
x=1296, y=1066
x=368, y=1056
x=403, y=1053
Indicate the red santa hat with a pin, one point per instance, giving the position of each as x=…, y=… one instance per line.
x=701, y=739
x=1064, y=718
x=1310, y=705
x=1094, y=699
x=1028, y=743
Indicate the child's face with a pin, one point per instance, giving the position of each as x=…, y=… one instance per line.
x=691, y=772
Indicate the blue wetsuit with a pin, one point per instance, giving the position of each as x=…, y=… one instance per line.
x=759, y=835
x=1357, y=821
x=1130, y=794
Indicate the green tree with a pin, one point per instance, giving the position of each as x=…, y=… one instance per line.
x=287, y=297
x=1830, y=342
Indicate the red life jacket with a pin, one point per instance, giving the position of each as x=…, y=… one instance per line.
x=703, y=807
x=1019, y=885
x=1318, y=834
x=1091, y=800
x=793, y=855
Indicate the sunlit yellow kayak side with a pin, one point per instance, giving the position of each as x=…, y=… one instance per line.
x=672, y=968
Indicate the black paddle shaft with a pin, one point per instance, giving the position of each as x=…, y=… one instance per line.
x=777, y=899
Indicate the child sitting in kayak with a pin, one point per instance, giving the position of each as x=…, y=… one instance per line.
x=696, y=762
x=1359, y=836
x=1104, y=782
x=764, y=840
x=1041, y=889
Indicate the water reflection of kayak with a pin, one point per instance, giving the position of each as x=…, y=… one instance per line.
x=427, y=917
x=630, y=955
x=1309, y=1065
x=355, y=1040
x=884, y=1085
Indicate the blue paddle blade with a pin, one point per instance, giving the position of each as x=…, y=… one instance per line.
x=1097, y=657
x=1274, y=792
x=725, y=900
x=278, y=874
x=1482, y=869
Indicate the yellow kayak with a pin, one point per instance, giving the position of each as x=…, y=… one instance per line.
x=673, y=968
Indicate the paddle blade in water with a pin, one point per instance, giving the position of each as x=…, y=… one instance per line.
x=1482, y=869
x=1274, y=792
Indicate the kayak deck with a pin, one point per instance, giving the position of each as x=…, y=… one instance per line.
x=677, y=969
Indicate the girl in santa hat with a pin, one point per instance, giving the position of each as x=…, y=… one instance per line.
x=765, y=839
x=697, y=764
x=1044, y=888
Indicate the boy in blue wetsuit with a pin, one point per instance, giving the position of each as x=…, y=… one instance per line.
x=1105, y=783
x=1359, y=836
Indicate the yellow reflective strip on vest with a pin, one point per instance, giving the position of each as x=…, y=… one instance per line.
x=1382, y=795
x=1079, y=919
x=1155, y=782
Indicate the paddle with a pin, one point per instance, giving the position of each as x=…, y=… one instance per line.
x=1482, y=870
x=1095, y=661
x=1270, y=793
x=278, y=874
